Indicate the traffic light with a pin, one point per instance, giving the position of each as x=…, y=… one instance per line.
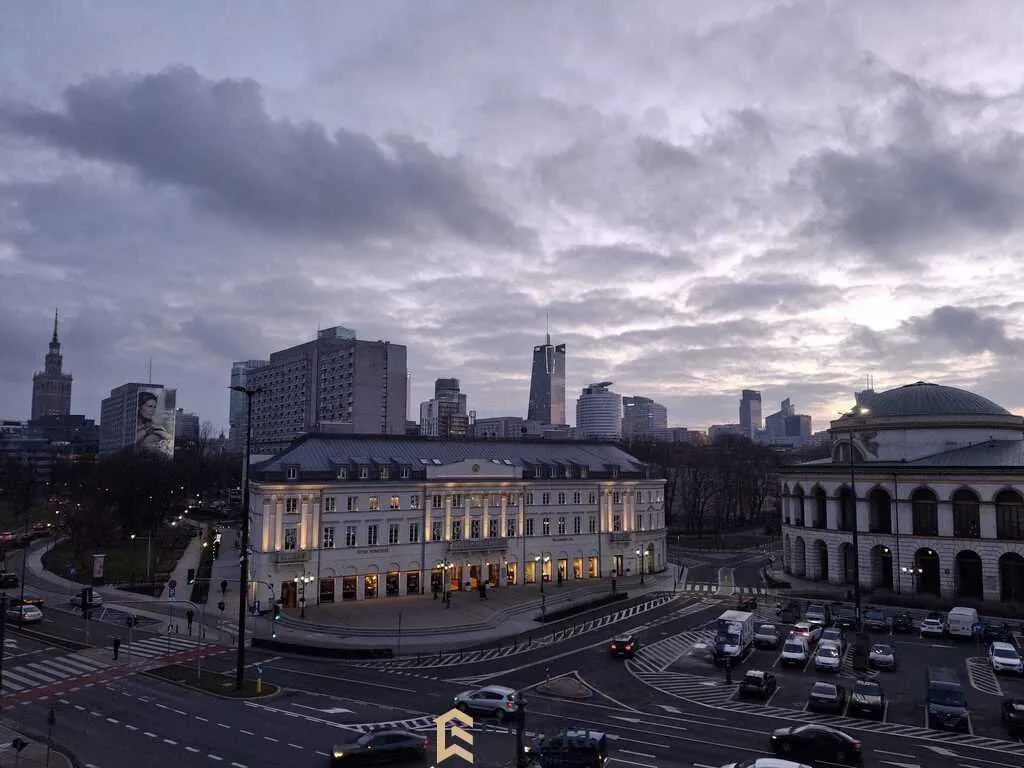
x=191, y=575
x=86, y=595
x=277, y=612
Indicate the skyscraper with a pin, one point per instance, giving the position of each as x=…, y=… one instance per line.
x=750, y=413
x=240, y=372
x=547, y=384
x=51, y=387
x=446, y=415
x=599, y=413
x=642, y=416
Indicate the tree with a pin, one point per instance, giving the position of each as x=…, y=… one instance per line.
x=18, y=485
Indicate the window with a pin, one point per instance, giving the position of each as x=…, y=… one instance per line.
x=1009, y=516
x=638, y=522
x=592, y=524
x=513, y=499
x=292, y=473
x=577, y=525
x=364, y=473
x=350, y=535
x=291, y=538
x=385, y=473
x=330, y=504
x=474, y=529
x=394, y=503
x=405, y=473
x=414, y=533
x=495, y=500
x=414, y=502
x=493, y=528
x=561, y=526
x=592, y=498
x=457, y=502
x=436, y=530
x=327, y=542
x=371, y=535
x=925, y=510
x=352, y=503
x=584, y=472
x=476, y=500
x=529, y=500
x=545, y=525
x=650, y=496
x=529, y=526
x=510, y=527
x=373, y=504
x=639, y=497
x=343, y=473
x=966, y=515
x=393, y=533
x=561, y=498
x=291, y=505
x=437, y=501
x=616, y=523
x=456, y=530
x=545, y=499
x=616, y=498
x=576, y=497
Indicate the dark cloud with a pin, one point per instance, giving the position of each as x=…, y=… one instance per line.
x=787, y=296
x=216, y=139
x=965, y=330
x=619, y=260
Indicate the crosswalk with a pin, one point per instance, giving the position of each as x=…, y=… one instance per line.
x=708, y=588
x=51, y=671
x=719, y=695
x=659, y=656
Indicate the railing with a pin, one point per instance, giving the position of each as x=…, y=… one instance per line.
x=292, y=556
x=478, y=545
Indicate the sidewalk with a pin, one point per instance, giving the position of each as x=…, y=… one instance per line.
x=35, y=754
x=189, y=559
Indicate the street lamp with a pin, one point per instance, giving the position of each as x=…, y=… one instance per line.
x=243, y=563
x=640, y=562
x=855, y=542
x=914, y=570
x=541, y=560
x=149, y=554
x=301, y=582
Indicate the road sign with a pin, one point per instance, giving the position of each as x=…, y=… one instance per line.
x=259, y=670
x=170, y=593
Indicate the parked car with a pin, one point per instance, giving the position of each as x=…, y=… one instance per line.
x=758, y=684
x=825, y=697
x=818, y=614
x=1013, y=717
x=383, y=746
x=846, y=618
x=835, y=636
x=795, y=652
x=867, y=698
x=933, y=625
x=882, y=656
x=875, y=620
x=767, y=636
x=24, y=614
x=572, y=748
x=903, y=623
x=624, y=645
x=1004, y=658
x=816, y=743
x=806, y=630
x=827, y=658
x=494, y=700
x=996, y=632
x=9, y=580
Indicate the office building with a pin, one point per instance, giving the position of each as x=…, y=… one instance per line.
x=383, y=517
x=547, y=384
x=932, y=477
x=240, y=371
x=642, y=417
x=140, y=416
x=750, y=413
x=599, y=413
x=186, y=426
x=51, y=387
x=335, y=383
x=445, y=416
x=718, y=431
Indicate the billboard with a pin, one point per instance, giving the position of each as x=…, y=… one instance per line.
x=154, y=418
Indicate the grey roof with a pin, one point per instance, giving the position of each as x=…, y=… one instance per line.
x=993, y=453
x=322, y=453
x=925, y=399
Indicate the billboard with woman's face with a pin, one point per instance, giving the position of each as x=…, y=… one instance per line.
x=155, y=421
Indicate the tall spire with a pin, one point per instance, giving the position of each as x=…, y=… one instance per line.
x=547, y=328
x=56, y=322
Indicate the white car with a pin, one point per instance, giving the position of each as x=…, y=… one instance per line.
x=933, y=626
x=1004, y=658
x=766, y=762
x=795, y=652
x=828, y=658
x=806, y=630
x=491, y=700
x=25, y=614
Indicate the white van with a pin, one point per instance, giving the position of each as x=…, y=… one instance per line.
x=960, y=622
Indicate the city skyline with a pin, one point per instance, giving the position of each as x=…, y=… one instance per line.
x=699, y=219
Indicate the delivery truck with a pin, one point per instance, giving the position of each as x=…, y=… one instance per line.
x=734, y=635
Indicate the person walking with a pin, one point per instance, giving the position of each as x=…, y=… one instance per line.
x=117, y=647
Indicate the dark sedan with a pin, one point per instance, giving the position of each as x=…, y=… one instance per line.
x=625, y=645
x=996, y=632
x=817, y=743
x=384, y=746
x=903, y=623
x=846, y=618
x=1013, y=717
x=829, y=698
x=867, y=699
x=875, y=621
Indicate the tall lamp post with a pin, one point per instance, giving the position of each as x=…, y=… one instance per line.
x=301, y=582
x=243, y=572
x=640, y=562
x=858, y=411
x=541, y=560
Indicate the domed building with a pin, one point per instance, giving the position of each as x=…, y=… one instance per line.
x=933, y=478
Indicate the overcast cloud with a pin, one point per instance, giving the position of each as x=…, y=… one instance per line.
x=703, y=196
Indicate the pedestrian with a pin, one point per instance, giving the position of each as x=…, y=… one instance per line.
x=189, y=615
x=117, y=647
x=223, y=586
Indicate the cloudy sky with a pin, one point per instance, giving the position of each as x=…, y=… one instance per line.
x=705, y=196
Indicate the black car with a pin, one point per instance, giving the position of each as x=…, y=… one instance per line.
x=875, y=621
x=747, y=604
x=903, y=623
x=845, y=618
x=1013, y=717
x=757, y=684
x=867, y=699
x=9, y=580
x=383, y=746
x=829, y=698
x=996, y=632
x=624, y=645
x=817, y=743
x=788, y=612
x=571, y=748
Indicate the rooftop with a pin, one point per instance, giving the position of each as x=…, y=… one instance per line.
x=925, y=399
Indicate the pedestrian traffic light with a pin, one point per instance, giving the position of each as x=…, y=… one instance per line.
x=191, y=575
x=277, y=612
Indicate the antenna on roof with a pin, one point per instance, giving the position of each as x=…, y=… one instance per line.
x=547, y=327
x=151, y=370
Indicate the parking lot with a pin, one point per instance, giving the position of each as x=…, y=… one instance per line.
x=904, y=687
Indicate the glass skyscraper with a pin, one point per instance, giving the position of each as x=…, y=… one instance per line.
x=547, y=384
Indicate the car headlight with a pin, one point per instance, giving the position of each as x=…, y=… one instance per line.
x=338, y=754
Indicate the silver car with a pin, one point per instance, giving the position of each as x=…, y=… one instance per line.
x=496, y=700
x=882, y=656
x=828, y=658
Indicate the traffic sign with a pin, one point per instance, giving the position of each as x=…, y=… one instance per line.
x=259, y=670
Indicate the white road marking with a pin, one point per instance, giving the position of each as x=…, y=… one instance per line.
x=150, y=735
x=131, y=727
x=191, y=749
x=247, y=733
x=636, y=754
x=172, y=742
x=214, y=757
x=271, y=738
x=296, y=746
x=894, y=754
x=201, y=719
x=113, y=720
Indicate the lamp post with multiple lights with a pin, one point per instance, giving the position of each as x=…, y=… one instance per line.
x=301, y=582
x=541, y=560
x=855, y=542
x=640, y=563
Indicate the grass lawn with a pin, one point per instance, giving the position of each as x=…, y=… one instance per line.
x=125, y=561
x=210, y=682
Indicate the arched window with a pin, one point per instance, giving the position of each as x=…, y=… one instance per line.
x=820, y=508
x=1009, y=516
x=924, y=505
x=966, y=515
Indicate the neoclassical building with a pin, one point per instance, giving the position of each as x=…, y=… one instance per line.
x=933, y=478
x=341, y=517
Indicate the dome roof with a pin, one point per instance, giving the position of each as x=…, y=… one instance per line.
x=924, y=399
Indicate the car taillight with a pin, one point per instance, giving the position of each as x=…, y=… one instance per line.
x=629, y=647
x=510, y=704
x=426, y=743
x=856, y=745
x=614, y=647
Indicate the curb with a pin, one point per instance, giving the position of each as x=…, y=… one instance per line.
x=263, y=697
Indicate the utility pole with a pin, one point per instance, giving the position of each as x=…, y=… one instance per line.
x=521, y=760
x=243, y=575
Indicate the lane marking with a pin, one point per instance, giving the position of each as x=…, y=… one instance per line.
x=191, y=749
x=637, y=754
x=247, y=733
x=171, y=742
x=350, y=680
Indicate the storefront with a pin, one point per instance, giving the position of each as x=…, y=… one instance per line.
x=326, y=593
x=391, y=584
x=371, y=584
x=412, y=583
x=349, y=589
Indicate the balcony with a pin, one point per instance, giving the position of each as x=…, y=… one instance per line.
x=292, y=556
x=494, y=544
